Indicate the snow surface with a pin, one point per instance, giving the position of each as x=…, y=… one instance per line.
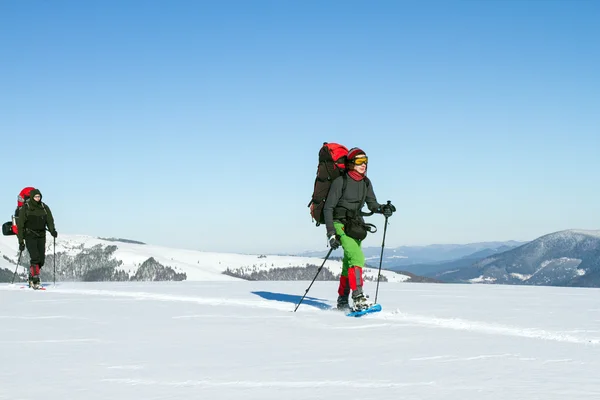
x=198, y=265
x=482, y=279
x=520, y=276
x=242, y=340
x=449, y=272
x=558, y=262
x=595, y=233
x=561, y=260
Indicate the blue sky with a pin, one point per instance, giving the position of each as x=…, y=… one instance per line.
x=197, y=124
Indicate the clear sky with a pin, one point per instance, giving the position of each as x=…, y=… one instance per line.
x=197, y=124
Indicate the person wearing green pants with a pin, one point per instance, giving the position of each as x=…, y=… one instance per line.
x=347, y=196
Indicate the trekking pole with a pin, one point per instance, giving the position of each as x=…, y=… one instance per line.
x=54, y=259
x=18, y=261
x=381, y=256
x=313, y=281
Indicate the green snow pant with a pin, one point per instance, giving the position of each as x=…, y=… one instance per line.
x=353, y=261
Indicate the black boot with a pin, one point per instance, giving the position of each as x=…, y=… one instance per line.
x=342, y=303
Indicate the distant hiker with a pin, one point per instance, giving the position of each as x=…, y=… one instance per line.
x=345, y=225
x=34, y=217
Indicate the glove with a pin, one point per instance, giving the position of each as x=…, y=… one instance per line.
x=21, y=246
x=334, y=241
x=54, y=233
x=388, y=209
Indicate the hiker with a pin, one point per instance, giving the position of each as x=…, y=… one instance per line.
x=345, y=226
x=34, y=217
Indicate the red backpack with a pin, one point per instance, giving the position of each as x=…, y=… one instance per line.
x=10, y=227
x=332, y=163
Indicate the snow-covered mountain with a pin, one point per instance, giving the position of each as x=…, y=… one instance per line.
x=565, y=258
x=397, y=258
x=433, y=269
x=86, y=258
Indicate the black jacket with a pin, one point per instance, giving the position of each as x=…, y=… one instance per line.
x=353, y=198
x=33, y=218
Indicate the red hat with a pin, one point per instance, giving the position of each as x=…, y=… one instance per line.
x=353, y=152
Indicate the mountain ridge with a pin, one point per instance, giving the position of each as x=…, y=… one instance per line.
x=569, y=257
x=398, y=258
x=87, y=258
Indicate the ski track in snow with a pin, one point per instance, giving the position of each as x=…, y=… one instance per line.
x=487, y=328
x=480, y=357
x=449, y=359
x=212, y=301
x=204, y=316
x=392, y=318
x=566, y=360
x=274, y=384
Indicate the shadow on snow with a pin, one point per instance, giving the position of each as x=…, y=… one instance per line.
x=294, y=299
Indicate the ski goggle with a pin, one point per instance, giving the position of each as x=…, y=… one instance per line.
x=360, y=160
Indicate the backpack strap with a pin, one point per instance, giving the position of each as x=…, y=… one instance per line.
x=364, y=199
x=41, y=204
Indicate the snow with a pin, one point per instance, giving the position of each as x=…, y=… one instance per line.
x=242, y=340
x=449, y=272
x=198, y=265
x=569, y=234
x=580, y=272
x=520, y=276
x=595, y=233
x=557, y=261
x=482, y=279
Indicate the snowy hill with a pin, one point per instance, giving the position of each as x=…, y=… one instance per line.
x=242, y=340
x=86, y=258
x=565, y=258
